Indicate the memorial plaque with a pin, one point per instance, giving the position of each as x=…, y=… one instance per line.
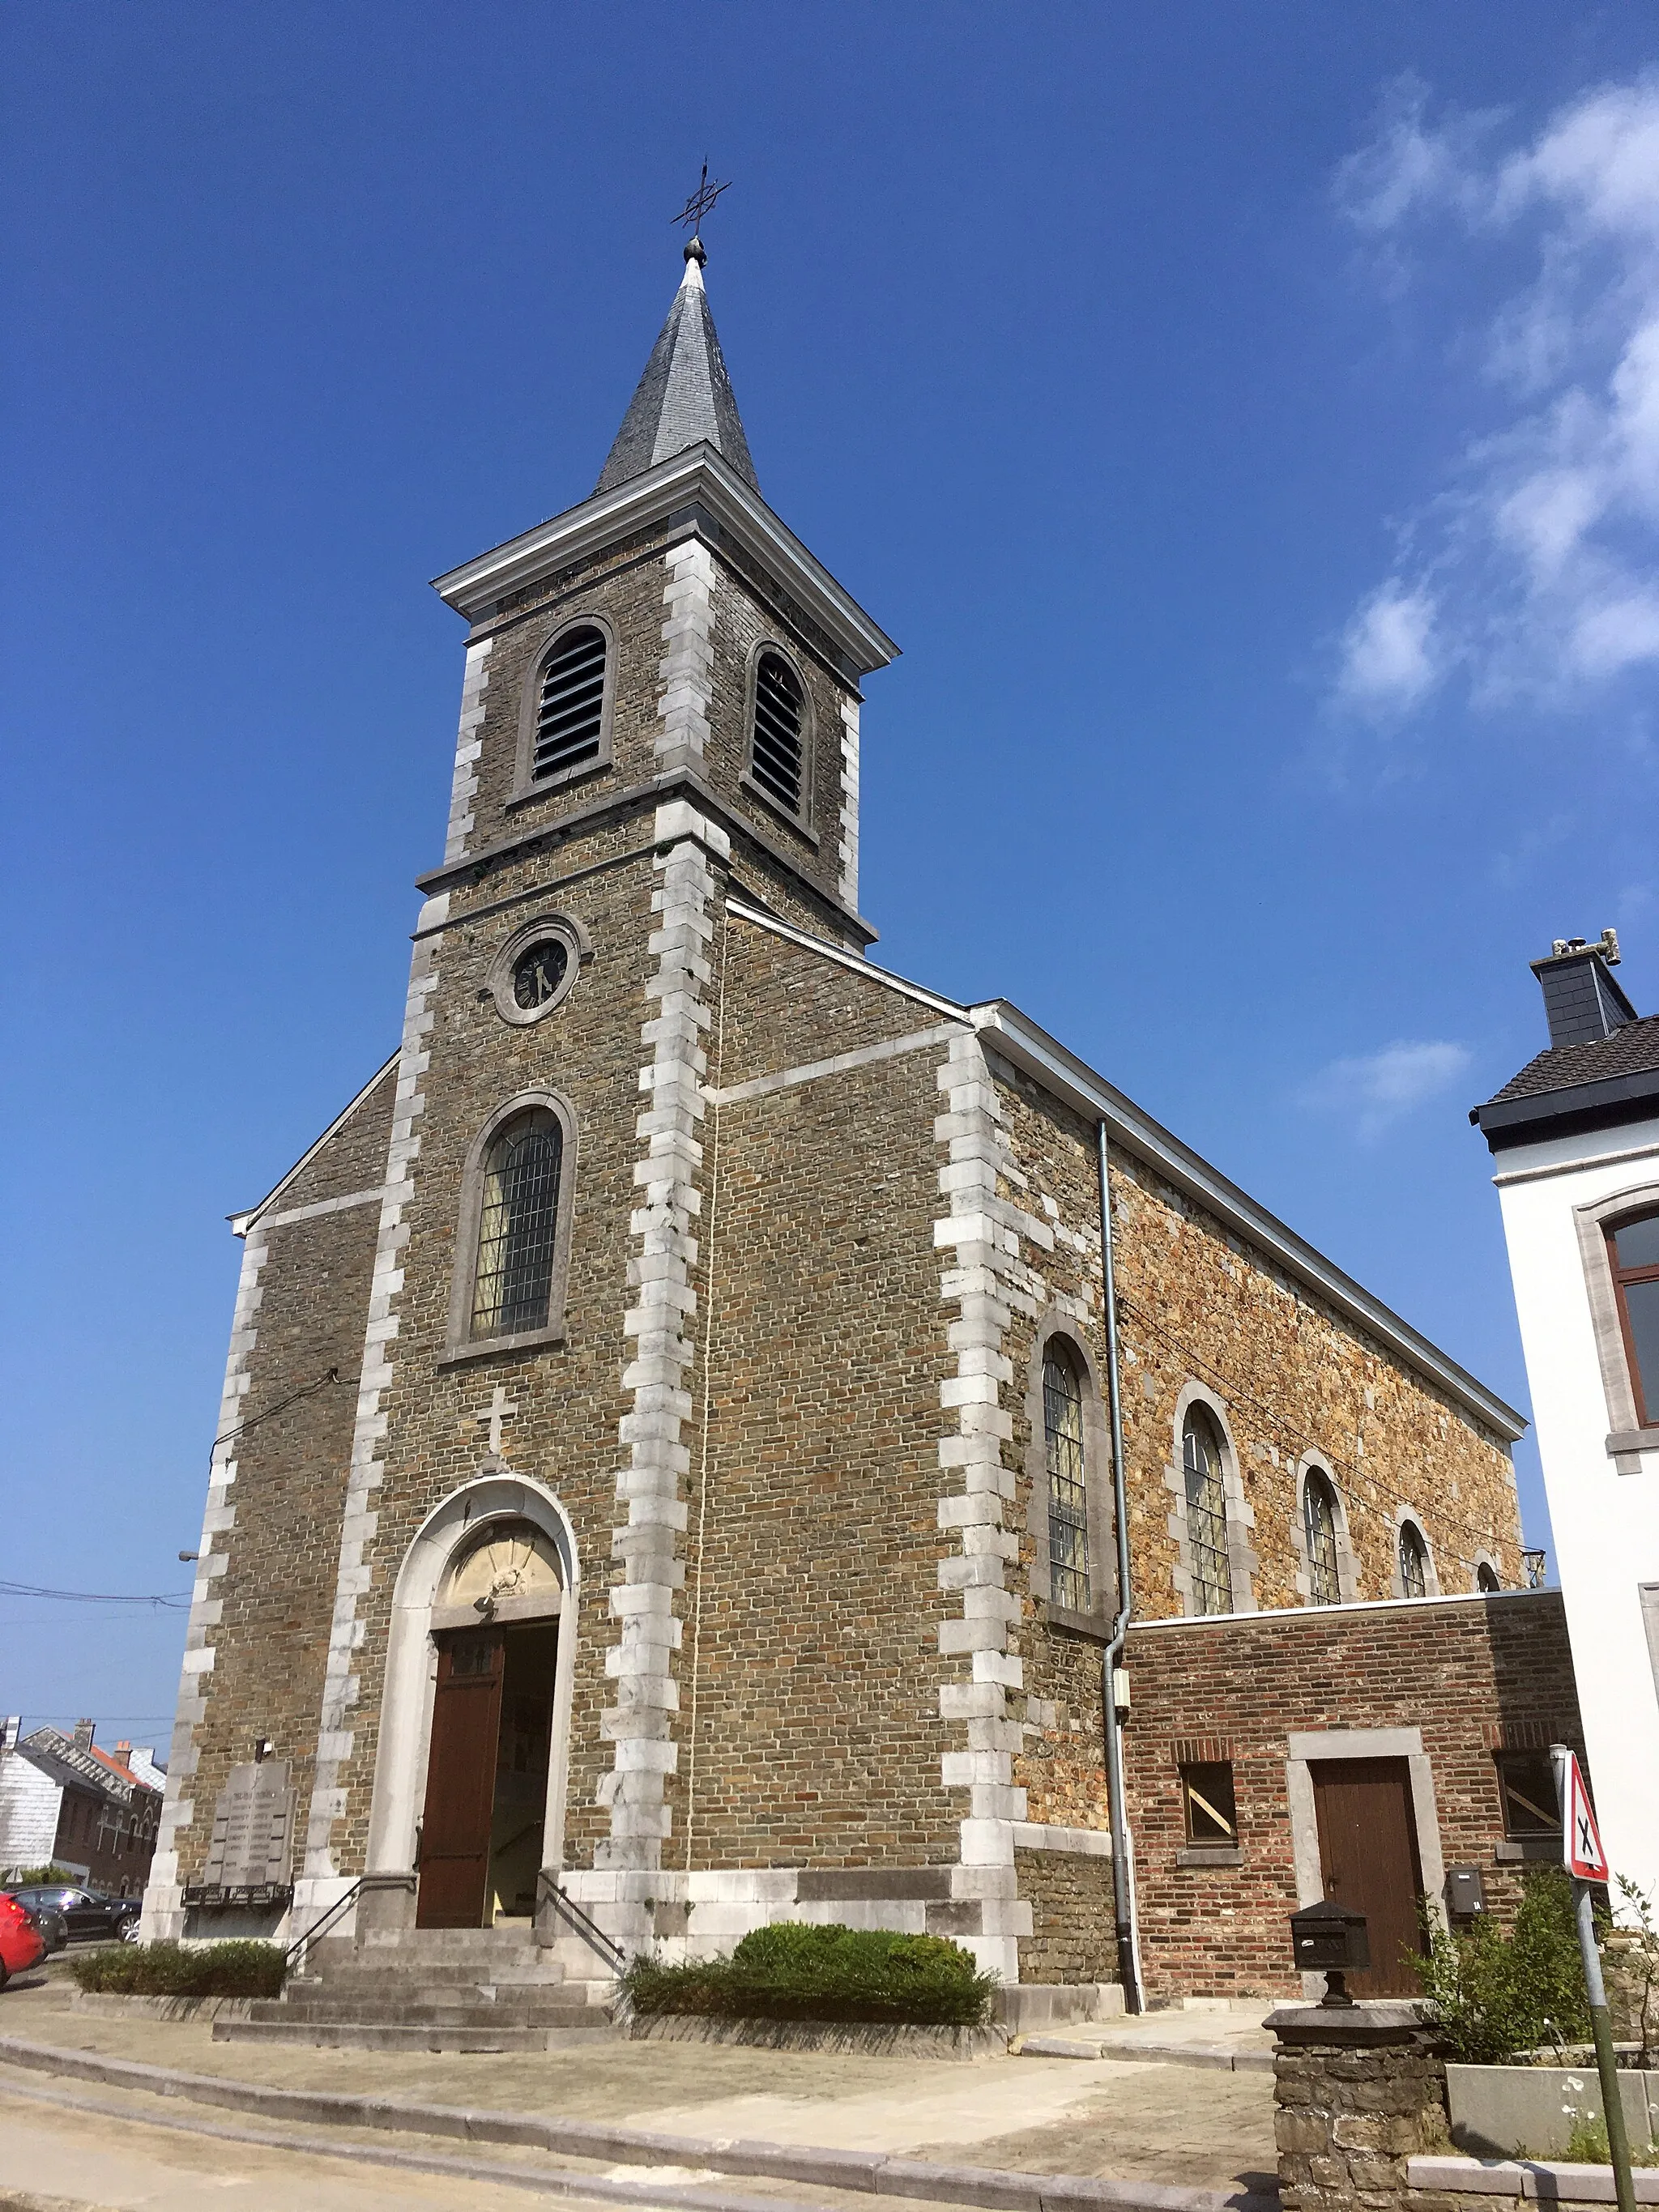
x=253, y=1826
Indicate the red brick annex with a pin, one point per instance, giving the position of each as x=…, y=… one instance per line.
x=667, y=1480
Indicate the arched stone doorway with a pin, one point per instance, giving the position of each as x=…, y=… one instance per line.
x=469, y=1799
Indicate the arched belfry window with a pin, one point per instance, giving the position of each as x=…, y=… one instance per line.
x=1486, y=1578
x=1068, y=1497
x=517, y=1226
x=1206, y=1515
x=1319, y=1526
x=569, y=729
x=777, y=752
x=1414, y=1561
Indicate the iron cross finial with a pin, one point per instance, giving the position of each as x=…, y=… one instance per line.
x=700, y=201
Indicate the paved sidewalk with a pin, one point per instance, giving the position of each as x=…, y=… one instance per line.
x=1226, y=2040
x=1133, y=2121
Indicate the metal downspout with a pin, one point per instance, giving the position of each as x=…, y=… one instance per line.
x=1123, y=1880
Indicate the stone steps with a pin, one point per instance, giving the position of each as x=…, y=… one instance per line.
x=446, y=1988
x=451, y=2010
x=391, y=2035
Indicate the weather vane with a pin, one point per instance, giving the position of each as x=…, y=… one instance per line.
x=700, y=201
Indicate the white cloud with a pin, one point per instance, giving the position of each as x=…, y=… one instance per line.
x=1536, y=569
x=1388, y=650
x=1380, y=1087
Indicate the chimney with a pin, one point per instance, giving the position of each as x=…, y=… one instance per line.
x=124, y=1750
x=84, y=1732
x=1581, y=1001
x=10, y=1728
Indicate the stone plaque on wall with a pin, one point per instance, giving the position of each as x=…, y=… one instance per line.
x=253, y=1826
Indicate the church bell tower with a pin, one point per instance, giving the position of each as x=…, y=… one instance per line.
x=659, y=725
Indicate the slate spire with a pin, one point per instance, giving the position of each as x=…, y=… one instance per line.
x=686, y=396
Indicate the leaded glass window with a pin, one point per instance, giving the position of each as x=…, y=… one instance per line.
x=1319, y=1523
x=1206, y=1517
x=1068, y=1503
x=1413, y=1562
x=517, y=1226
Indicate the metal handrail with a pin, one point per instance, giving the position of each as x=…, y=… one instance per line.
x=315, y=1932
x=589, y=1930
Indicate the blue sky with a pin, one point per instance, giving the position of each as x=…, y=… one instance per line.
x=1245, y=418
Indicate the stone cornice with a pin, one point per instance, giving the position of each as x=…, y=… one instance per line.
x=639, y=798
x=699, y=486
x=1018, y=1040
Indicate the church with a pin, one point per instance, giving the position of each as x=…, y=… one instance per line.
x=716, y=1431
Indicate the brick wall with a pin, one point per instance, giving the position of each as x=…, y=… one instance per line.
x=1471, y=1674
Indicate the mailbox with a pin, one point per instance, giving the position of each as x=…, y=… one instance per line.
x=1466, y=1893
x=1327, y=1938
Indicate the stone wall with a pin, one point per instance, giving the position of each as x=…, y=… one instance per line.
x=1289, y=1377
x=1074, y=1925
x=1358, y=2094
x=264, y=1592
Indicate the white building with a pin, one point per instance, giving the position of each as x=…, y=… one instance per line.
x=1575, y=1136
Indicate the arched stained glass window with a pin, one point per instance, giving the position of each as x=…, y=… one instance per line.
x=1319, y=1524
x=517, y=1226
x=1206, y=1516
x=1068, y=1503
x=1414, y=1561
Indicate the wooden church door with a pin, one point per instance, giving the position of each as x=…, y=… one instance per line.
x=460, y=1780
x=1368, y=1862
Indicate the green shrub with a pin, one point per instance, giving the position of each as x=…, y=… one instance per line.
x=172, y=1970
x=792, y=1971
x=1492, y=1995
x=40, y=1877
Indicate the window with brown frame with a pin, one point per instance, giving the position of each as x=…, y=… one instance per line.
x=1633, y=1255
x=1526, y=1783
x=1207, y=1801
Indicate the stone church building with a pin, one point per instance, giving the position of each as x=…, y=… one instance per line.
x=668, y=1466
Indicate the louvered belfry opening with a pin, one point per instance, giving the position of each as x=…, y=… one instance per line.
x=777, y=760
x=570, y=716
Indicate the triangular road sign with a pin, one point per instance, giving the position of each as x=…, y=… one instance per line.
x=1581, y=1839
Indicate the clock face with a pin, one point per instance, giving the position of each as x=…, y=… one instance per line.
x=537, y=974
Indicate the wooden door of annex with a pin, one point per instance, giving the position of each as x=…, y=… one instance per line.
x=1368, y=1859
x=460, y=1780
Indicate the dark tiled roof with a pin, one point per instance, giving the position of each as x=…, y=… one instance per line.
x=1632, y=1050
x=684, y=397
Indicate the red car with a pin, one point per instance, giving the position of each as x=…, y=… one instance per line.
x=21, y=1943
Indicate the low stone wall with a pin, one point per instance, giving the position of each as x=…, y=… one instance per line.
x=1528, y=2112
x=871, y=2036
x=113, y=2006
x=1466, y=2184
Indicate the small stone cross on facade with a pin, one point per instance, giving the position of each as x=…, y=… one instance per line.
x=501, y=1408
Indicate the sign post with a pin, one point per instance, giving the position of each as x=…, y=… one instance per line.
x=1587, y=1862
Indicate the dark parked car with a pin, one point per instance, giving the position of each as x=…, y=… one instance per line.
x=86, y=1911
